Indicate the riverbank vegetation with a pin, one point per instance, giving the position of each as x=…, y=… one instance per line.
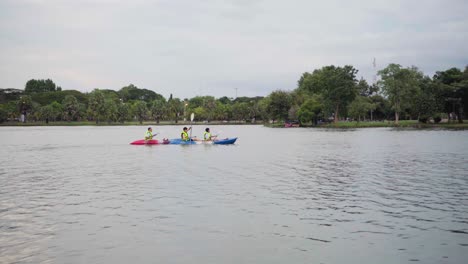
x=329, y=97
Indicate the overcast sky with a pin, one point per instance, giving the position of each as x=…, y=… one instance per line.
x=212, y=47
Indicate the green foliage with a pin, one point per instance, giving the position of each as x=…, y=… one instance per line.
x=40, y=86
x=365, y=89
x=200, y=113
x=96, y=107
x=57, y=110
x=450, y=76
x=3, y=114
x=400, y=85
x=46, y=98
x=224, y=100
x=279, y=103
x=158, y=109
x=223, y=111
x=25, y=105
x=325, y=91
x=311, y=110
x=176, y=107
x=10, y=94
x=140, y=110
x=240, y=111
x=133, y=93
x=207, y=102
x=360, y=107
x=46, y=113
x=336, y=85
x=123, y=112
x=110, y=110
x=71, y=106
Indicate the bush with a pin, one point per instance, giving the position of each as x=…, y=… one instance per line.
x=423, y=119
x=3, y=115
x=437, y=119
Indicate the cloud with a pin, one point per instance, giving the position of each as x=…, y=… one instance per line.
x=188, y=48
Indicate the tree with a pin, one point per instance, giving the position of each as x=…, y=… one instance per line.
x=56, y=110
x=365, y=89
x=310, y=110
x=132, y=93
x=360, y=107
x=175, y=108
x=10, y=94
x=254, y=110
x=453, y=87
x=40, y=86
x=200, y=113
x=158, y=109
x=46, y=113
x=25, y=106
x=3, y=114
x=381, y=107
x=399, y=85
x=279, y=103
x=224, y=100
x=223, y=111
x=123, y=112
x=110, y=110
x=292, y=113
x=240, y=111
x=140, y=110
x=96, y=107
x=209, y=103
x=71, y=107
x=337, y=85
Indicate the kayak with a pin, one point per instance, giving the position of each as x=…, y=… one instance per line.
x=225, y=141
x=149, y=142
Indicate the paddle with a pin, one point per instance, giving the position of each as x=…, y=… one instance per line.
x=192, y=116
x=218, y=133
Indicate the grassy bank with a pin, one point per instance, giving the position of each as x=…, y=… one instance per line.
x=131, y=123
x=402, y=124
x=344, y=125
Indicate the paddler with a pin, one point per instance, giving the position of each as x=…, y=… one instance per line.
x=207, y=135
x=149, y=134
x=184, y=135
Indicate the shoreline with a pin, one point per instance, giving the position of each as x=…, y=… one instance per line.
x=341, y=125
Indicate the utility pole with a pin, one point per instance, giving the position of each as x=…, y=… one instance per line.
x=236, y=92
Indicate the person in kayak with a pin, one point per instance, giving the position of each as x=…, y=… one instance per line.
x=149, y=134
x=184, y=135
x=207, y=135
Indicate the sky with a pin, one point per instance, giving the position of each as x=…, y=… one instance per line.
x=222, y=48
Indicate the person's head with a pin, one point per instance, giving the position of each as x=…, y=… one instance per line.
x=150, y=129
x=207, y=129
x=185, y=128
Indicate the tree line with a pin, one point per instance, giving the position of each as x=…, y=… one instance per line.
x=328, y=94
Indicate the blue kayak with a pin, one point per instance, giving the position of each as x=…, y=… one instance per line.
x=225, y=141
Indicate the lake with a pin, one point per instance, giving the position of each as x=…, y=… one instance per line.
x=296, y=195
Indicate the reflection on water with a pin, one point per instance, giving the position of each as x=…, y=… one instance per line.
x=83, y=195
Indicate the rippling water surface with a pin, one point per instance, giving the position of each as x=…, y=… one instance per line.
x=84, y=195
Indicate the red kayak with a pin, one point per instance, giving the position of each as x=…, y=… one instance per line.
x=149, y=142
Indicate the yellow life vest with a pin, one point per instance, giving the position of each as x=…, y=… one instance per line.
x=148, y=135
x=207, y=136
x=185, y=136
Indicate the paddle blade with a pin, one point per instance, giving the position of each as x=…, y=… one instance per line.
x=192, y=116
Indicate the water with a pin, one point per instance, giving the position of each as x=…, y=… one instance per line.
x=84, y=195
